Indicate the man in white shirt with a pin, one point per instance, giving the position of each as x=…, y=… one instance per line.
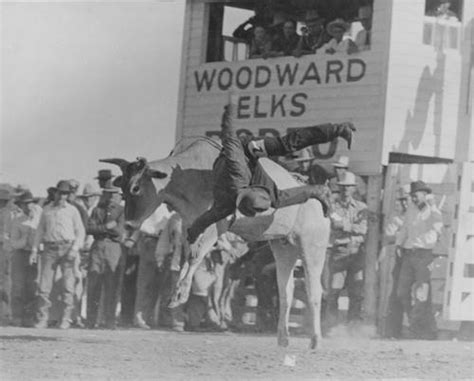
x=341, y=42
x=62, y=232
x=418, y=236
x=23, y=274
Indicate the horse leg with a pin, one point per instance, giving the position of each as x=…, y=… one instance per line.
x=313, y=260
x=285, y=258
x=198, y=251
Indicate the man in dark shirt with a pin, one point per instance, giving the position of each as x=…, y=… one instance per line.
x=314, y=37
x=239, y=178
x=106, y=262
x=285, y=44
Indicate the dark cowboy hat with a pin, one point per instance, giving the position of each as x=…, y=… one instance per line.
x=104, y=174
x=25, y=197
x=253, y=200
x=63, y=186
x=312, y=15
x=419, y=186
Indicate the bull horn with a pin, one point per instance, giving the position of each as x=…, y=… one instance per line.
x=122, y=163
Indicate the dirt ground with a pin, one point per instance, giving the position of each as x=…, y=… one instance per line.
x=27, y=354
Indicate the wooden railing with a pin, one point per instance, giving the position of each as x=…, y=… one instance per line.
x=441, y=33
x=235, y=49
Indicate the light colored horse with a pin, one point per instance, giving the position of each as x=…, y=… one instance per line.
x=184, y=181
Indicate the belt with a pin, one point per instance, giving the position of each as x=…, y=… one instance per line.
x=154, y=236
x=57, y=243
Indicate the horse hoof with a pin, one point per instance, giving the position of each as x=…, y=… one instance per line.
x=314, y=343
x=283, y=342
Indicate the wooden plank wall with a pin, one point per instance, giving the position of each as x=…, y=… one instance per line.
x=423, y=89
x=459, y=298
x=361, y=101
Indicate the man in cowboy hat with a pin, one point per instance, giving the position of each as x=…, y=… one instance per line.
x=394, y=320
x=103, y=176
x=73, y=200
x=245, y=184
x=418, y=236
x=22, y=272
x=106, y=263
x=341, y=167
x=364, y=36
x=62, y=233
x=8, y=212
x=341, y=42
x=314, y=35
x=345, y=258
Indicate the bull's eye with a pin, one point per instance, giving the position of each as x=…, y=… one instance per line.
x=135, y=189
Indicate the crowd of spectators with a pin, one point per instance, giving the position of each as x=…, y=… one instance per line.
x=64, y=261
x=319, y=35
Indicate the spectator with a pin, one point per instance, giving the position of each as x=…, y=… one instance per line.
x=314, y=35
x=61, y=231
x=152, y=249
x=364, y=36
x=171, y=267
x=261, y=44
x=341, y=42
x=275, y=29
x=88, y=201
x=418, y=236
x=345, y=259
x=104, y=176
x=286, y=44
x=51, y=192
x=72, y=199
x=442, y=10
x=394, y=320
x=199, y=302
x=245, y=31
x=22, y=272
x=106, y=264
x=8, y=212
x=340, y=169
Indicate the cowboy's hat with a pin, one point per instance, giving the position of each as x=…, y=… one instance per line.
x=348, y=180
x=104, y=174
x=343, y=162
x=419, y=186
x=336, y=25
x=25, y=198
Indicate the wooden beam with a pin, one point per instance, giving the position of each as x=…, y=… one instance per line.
x=374, y=203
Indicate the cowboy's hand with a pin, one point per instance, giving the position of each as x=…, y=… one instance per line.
x=73, y=253
x=111, y=224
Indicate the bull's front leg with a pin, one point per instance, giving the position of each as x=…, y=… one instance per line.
x=199, y=249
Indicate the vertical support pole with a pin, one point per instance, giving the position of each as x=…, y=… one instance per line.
x=374, y=204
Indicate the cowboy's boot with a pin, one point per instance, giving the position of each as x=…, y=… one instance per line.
x=299, y=195
x=300, y=138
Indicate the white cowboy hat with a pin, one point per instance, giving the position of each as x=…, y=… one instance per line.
x=337, y=24
x=348, y=180
x=343, y=162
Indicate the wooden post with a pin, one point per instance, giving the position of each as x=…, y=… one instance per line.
x=374, y=203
